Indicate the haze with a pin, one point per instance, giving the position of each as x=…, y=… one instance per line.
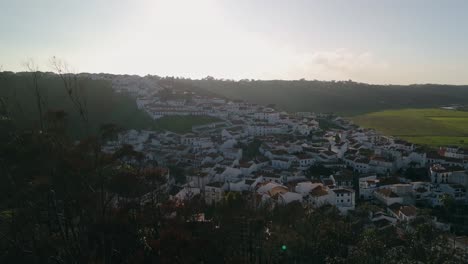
x=398, y=42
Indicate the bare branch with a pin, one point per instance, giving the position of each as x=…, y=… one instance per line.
x=33, y=68
x=73, y=88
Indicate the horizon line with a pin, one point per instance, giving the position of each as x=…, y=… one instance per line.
x=243, y=79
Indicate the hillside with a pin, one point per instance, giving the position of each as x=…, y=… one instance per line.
x=434, y=127
x=106, y=106
x=102, y=103
x=345, y=98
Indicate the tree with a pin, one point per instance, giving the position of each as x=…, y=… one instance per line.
x=209, y=78
x=74, y=89
x=178, y=174
x=337, y=138
x=318, y=170
x=35, y=75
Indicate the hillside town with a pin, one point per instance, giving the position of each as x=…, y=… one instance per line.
x=277, y=158
x=230, y=132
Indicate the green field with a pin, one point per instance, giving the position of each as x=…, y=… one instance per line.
x=182, y=124
x=431, y=126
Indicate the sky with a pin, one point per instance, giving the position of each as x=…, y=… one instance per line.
x=374, y=41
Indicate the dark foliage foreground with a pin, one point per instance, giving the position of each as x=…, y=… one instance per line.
x=64, y=202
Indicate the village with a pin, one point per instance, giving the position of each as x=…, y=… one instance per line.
x=277, y=158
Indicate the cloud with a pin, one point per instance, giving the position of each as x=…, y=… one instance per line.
x=338, y=64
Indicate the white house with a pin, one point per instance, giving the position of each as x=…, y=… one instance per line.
x=456, y=191
x=361, y=165
x=382, y=220
x=305, y=160
x=403, y=145
x=421, y=190
x=232, y=153
x=247, y=168
x=344, y=199
x=339, y=148
x=387, y=196
x=453, y=152
x=214, y=192
x=186, y=193
x=441, y=174
x=315, y=194
x=381, y=165
x=281, y=163
x=367, y=186
x=403, y=213
x=289, y=197
x=268, y=114
x=342, y=179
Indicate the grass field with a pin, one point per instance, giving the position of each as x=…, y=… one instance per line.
x=431, y=126
x=182, y=124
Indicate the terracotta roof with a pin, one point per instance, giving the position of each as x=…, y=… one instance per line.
x=278, y=189
x=342, y=191
x=327, y=182
x=408, y=210
x=318, y=191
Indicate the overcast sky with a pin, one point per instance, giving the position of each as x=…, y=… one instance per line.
x=376, y=41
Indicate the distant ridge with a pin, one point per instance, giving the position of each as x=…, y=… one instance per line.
x=342, y=97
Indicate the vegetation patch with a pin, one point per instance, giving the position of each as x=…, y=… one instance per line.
x=433, y=127
x=345, y=98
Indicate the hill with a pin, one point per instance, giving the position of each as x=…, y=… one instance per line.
x=432, y=127
x=102, y=103
x=344, y=98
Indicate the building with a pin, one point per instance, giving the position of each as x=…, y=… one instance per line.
x=387, y=196
x=344, y=199
x=214, y=192
x=367, y=186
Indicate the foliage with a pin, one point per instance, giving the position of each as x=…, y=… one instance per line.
x=315, y=171
x=251, y=150
x=416, y=174
x=102, y=104
x=326, y=124
x=178, y=174
x=342, y=97
x=68, y=203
